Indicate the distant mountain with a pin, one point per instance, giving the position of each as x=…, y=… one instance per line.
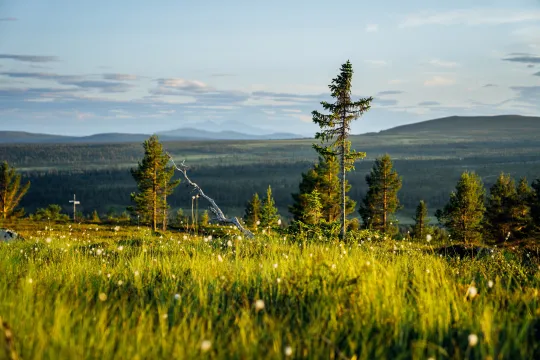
x=503, y=125
x=191, y=133
x=235, y=126
x=13, y=137
x=186, y=134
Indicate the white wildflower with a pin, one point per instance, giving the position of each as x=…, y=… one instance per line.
x=206, y=345
x=473, y=340
x=259, y=305
x=472, y=292
x=288, y=351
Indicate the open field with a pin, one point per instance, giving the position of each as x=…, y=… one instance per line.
x=90, y=292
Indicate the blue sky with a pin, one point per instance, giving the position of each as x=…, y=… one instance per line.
x=83, y=67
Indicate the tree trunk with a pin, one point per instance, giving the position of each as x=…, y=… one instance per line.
x=154, y=199
x=165, y=212
x=385, y=203
x=343, y=203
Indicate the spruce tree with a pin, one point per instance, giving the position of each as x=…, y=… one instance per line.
x=154, y=183
x=421, y=221
x=464, y=213
x=381, y=200
x=324, y=178
x=253, y=211
x=179, y=217
x=500, y=219
x=337, y=124
x=205, y=218
x=523, y=209
x=313, y=210
x=95, y=217
x=269, y=212
x=11, y=192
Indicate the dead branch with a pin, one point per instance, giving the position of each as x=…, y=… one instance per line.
x=220, y=217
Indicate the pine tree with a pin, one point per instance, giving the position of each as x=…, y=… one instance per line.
x=269, y=212
x=95, y=217
x=11, y=192
x=337, y=125
x=464, y=213
x=381, y=200
x=53, y=212
x=421, y=221
x=179, y=217
x=253, y=211
x=154, y=183
x=500, y=219
x=324, y=178
x=313, y=211
x=523, y=209
x=205, y=218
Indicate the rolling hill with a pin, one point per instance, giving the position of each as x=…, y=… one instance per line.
x=20, y=137
x=493, y=126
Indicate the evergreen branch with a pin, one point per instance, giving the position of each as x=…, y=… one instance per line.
x=213, y=206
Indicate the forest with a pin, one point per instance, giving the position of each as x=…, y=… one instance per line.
x=99, y=173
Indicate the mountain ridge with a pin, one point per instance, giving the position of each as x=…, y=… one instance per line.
x=457, y=126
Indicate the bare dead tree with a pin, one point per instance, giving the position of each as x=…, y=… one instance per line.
x=220, y=217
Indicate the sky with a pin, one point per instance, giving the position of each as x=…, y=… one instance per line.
x=85, y=67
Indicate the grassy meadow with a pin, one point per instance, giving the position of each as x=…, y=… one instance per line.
x=95, y=292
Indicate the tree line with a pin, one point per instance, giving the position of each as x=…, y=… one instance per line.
x=509, y=211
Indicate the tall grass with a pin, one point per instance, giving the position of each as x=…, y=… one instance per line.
x=99, y=294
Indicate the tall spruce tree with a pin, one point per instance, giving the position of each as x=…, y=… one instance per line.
x=323, y=178
x=253, y=211
x=337, y=125
x=523, y=216
x=464, y=213
x=421, y=221
x=381, y=200
x=11, y=192
x=269, y=212
x=154, y=183
x=500, y=219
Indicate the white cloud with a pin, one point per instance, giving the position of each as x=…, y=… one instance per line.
x=439, y=81
x=292, y=110
x=396, y=82
x=183, y=84
x=442, y=63
x=372, y=28
x=477, y=16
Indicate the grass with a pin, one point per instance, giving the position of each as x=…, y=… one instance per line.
x=90, y=292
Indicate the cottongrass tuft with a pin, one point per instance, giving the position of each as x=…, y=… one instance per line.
x=259, y=305
x=473, y=340
x=288, y=351
x=176, y=296
x=206, y=345
x=490, y=283
x=472, y=292
x=428, y=237
x=102, y=296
